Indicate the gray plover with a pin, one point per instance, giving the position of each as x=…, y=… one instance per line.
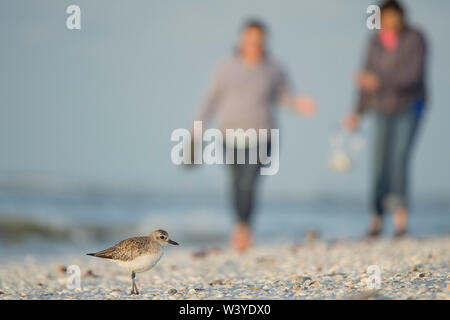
x=137, y=254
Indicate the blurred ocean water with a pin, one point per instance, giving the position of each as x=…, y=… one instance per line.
x=46, y=224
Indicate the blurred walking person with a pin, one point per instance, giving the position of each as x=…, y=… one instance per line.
x=392, y=86
x=242, y=95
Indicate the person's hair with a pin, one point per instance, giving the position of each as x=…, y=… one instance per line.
x=392, y=5
x=254, y=23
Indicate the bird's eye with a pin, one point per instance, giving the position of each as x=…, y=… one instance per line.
x=161, y=237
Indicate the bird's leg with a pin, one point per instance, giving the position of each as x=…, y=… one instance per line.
x=134, y=289
x=132, y=283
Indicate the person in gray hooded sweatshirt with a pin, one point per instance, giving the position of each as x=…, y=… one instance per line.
x=242, y=95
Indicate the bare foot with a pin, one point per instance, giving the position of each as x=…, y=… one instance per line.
x=400, y=220
x=241, y=238
x=375, y=226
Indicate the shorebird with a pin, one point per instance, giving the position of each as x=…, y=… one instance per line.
x=137, y=254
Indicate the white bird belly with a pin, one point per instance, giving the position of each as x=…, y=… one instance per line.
x=140, y=264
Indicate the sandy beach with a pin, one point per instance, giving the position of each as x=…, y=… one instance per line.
x=410, y=269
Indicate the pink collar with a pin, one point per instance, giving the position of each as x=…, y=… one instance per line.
x=389, y=39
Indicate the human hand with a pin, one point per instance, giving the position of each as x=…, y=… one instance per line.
x=305, y=105
x=351, y=121
x=368, y=81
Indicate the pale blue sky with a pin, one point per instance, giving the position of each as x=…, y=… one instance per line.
x=97, y=106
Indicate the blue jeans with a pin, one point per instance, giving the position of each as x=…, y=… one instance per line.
x=245, y=177
x=394, y=138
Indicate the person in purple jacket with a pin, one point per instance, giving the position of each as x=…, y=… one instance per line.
x=392, y=87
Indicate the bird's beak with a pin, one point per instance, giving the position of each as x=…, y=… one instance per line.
x=172, y=242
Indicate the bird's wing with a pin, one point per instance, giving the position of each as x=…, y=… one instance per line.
x=125, y=250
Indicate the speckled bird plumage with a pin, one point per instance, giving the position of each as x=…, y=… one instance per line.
x=137, y=254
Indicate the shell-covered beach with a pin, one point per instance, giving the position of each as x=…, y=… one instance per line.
x=409, y=268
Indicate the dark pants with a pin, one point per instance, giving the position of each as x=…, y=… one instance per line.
x=394, y=138
x=244, y=182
